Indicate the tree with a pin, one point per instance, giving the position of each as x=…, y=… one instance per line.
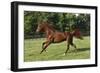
x=62, y=21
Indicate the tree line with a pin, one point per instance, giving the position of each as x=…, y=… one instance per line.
x=62, y=21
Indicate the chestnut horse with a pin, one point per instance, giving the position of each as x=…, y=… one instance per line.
x=54, y=36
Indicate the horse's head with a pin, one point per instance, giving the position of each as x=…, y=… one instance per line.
x=77, y=34
x=40, y=27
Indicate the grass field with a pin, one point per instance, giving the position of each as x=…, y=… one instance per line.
x=32, y=48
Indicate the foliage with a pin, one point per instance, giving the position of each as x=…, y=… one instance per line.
x=61, y=21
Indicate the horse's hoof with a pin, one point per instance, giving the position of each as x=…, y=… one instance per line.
x=64, y=54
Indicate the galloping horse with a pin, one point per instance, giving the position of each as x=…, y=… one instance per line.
x=54, y=36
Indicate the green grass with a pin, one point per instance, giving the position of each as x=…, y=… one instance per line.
x=32, y=48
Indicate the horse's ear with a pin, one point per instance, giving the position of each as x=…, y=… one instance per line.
x=45, y=22
x=39, y=22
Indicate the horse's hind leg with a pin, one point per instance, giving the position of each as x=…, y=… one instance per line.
x=67, y=48
x=74, y=46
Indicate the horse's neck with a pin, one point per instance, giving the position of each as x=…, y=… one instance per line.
x=49, y=32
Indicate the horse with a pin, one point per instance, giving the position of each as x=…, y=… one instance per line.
x=54, y=36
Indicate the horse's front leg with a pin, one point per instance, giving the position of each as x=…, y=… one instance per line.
x=44, y=46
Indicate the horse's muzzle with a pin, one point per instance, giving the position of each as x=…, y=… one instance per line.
x=37, y=30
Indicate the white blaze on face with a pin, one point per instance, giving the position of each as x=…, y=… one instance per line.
x=37, y=29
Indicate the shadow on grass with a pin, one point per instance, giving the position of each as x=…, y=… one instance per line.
x=71, y=51
x=80, y=50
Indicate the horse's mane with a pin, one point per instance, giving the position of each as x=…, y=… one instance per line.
x=49, y=25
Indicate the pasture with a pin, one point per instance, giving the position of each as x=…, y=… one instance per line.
x=32, y=48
